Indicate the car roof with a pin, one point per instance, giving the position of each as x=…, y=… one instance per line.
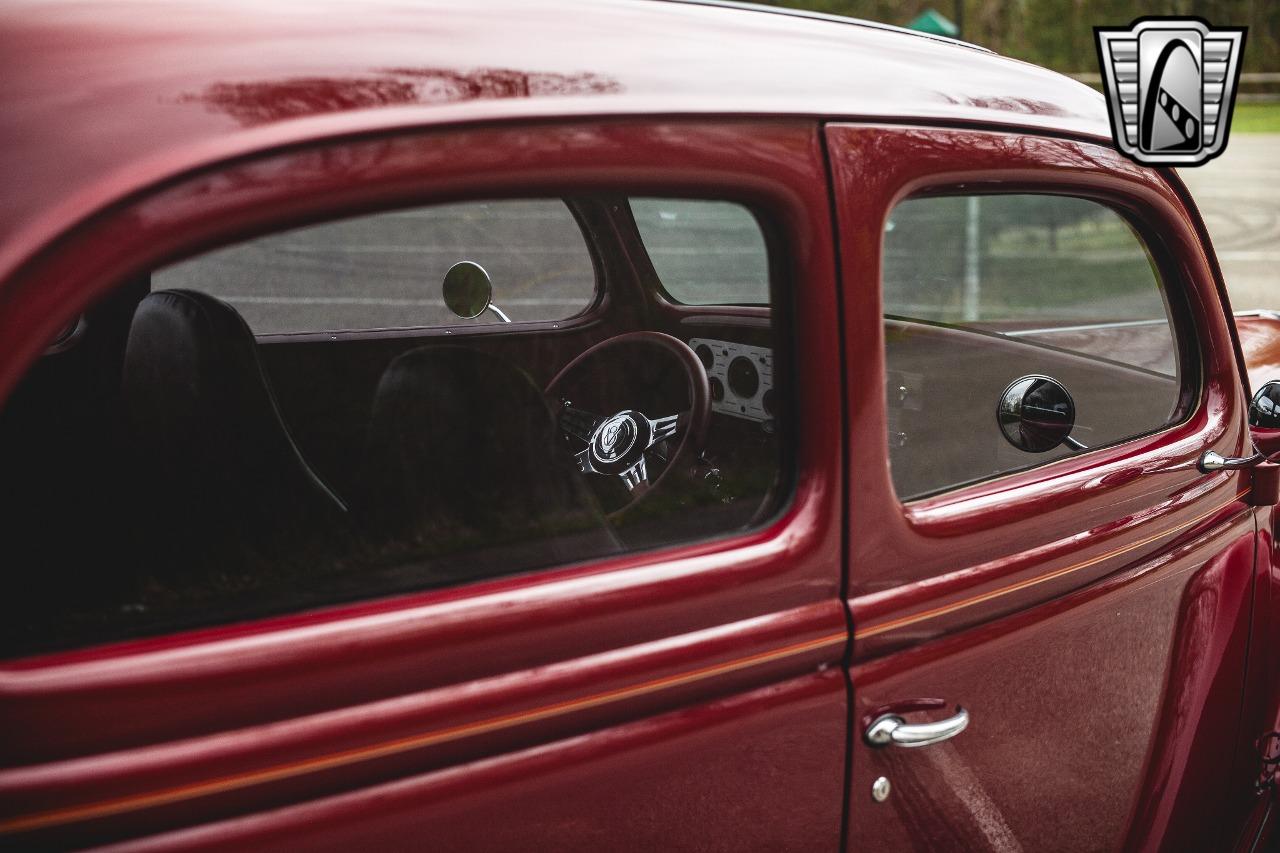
x=103, y=98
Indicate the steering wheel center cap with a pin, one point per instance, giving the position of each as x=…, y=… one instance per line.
x=614, y=437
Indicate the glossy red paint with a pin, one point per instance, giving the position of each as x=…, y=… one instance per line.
x=205, y=81
x=248, y=700
x=659, y=783
x=693, y=697
x=1260, y=342
x=1108, y=592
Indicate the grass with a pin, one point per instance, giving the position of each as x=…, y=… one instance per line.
x=1256, y=118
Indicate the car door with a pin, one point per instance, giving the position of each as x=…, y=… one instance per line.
x=685, y=694
x=1049, y=647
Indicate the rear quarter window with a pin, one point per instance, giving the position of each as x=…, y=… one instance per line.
x=704, y=252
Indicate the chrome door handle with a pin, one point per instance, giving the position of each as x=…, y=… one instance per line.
x=892, y=729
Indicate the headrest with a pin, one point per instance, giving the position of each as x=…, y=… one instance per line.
x=196, y=395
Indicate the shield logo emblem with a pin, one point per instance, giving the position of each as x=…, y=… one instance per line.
x=1171, y=87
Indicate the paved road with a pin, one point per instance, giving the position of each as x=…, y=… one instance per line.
x=1239, y=196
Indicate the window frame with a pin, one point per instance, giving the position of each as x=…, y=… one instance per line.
x=995, y=526
x=778, y=502
x=784, y=562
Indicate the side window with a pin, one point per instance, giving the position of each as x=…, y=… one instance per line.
x=383, y=271
x=980, y=291
x=704, y=253
x=201, y=468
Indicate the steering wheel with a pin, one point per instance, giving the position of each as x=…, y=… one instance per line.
x=617, y=444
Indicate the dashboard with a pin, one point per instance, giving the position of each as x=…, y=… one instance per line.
x=741, y=378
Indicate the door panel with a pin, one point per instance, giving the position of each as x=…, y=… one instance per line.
x=1093, y=715
x=1092, y=613
x=688, y=780
x=714, y=662
x=252, y=768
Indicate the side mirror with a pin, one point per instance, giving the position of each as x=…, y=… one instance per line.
x=1264, y=431
x=468, y=291
x=1265, y=410
x=1036, y=414
x=1264, y=418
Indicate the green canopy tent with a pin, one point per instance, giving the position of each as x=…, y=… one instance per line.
x=933, y=21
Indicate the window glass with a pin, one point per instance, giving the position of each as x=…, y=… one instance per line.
x=705, y=253
x=170, y=469
x=982, y=290
x=384, y=270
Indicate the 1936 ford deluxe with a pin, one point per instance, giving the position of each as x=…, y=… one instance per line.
x=613, y=425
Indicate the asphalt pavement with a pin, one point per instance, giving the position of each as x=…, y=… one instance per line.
x=1239, y=196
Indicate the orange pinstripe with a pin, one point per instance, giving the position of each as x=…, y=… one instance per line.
x=135, y=802
x=942, y=610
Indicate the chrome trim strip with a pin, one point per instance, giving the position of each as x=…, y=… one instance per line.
x=1087, y=327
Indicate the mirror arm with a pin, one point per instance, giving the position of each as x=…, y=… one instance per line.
x=501, y=316
x=1073, y=444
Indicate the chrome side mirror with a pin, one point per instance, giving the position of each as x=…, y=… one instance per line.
x=1264, y=434
x=1264, y=411
x=468, y=291
x=1036, y=414
x=1264, y=429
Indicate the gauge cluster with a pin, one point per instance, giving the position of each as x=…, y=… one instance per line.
x=741, y=378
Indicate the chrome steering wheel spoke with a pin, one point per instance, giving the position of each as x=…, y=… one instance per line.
x=617, y=446
x=637, y=476
x=663, y=428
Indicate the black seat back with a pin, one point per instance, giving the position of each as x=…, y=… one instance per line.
x=222, y=481
x=464, y=465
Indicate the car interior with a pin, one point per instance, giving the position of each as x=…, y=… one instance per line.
x=167, y=467
x=228, y=437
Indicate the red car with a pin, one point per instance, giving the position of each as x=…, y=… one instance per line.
x=613, y=426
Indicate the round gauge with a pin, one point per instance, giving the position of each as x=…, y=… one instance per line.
x=768, y=402
x=705, y=355
x=744, y=379
x=717, y=390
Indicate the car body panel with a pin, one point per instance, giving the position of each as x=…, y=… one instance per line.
x=1259, y=333
x=216, y=722
x=698, y=696
x=1087, y=731
x=1092, y=614
x=204, y=81
x=691, y=780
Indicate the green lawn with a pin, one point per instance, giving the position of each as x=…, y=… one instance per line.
x=1256, y=118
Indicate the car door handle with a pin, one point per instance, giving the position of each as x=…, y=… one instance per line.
x=889, y=729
